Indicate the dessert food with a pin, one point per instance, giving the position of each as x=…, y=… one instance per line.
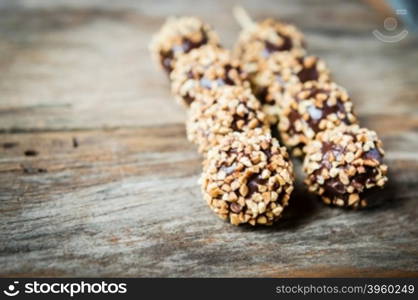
x=344, y=165
x=248, y=178
x=258, y=41
x=225, y=110
x=177, y=37
x=204, y=69
x=285, y=73
x=285, y=70
x=315, y=116
x=312, y=108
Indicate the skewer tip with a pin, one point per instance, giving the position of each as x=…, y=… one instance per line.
x=242, y=17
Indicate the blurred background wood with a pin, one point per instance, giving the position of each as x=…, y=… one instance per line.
x=98, y=179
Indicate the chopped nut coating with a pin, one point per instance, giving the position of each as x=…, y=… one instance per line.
x=178, y=36
x=312, y=108
x=225, y=110
x=350, y=167
x=261, y=167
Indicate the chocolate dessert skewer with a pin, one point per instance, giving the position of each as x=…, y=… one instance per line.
x=247, y=177
x=344, y=166
x=264, y=39
x=295, y=90
x=179, y=36
x=307, y=109
x=343, y=162
x=223, y=111
x=275, y=71
x=204, y=69
x=282, y=71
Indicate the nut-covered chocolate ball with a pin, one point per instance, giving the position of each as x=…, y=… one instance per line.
x=202, y=70
x=344, y=166
x=313, y=108
x=248, y=178
x=224, y=110
x=178, y=36
x=285, y=71
x=257, y=43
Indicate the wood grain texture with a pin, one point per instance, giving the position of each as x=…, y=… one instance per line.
x=98, y=179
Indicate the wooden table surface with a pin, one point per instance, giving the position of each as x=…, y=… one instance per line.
x=97, y=177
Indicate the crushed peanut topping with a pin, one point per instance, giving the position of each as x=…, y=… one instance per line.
x=178, y=36
x=204, y=69
x=248, y=178
x=257, y=43
x=350, y=166
x=224, y=110
x=312, y=108
x=285, y=73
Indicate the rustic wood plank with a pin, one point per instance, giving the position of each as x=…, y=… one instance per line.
x=83, y=66
x=126, y=202
x=98, y=179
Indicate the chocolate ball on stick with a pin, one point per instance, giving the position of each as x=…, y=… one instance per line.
x=177, y=37
x=248, y=178
x=312, y=108
x=225, y=110
x=258, y=41
x=344, y=166
x=204, y=69
x=284, y=73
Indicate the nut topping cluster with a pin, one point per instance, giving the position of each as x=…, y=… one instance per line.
x=257, y=43
x=204, y=69
x=225, y=110
x=344, y=165
x=248, y=178
x=177, y=37
x=313, y=108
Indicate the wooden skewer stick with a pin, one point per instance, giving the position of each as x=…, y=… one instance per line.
x=242, y=17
